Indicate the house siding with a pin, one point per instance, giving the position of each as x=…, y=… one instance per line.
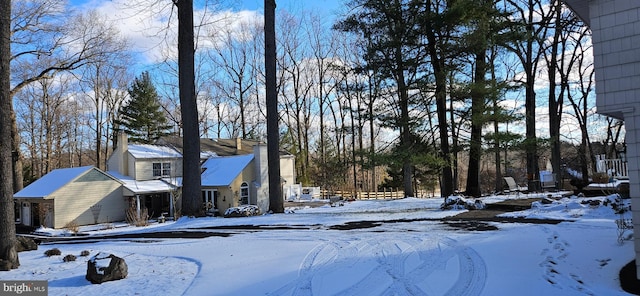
x=287, y=169
x=143, y=168
x=114, y=163
x=615, y=27
x=74, y=201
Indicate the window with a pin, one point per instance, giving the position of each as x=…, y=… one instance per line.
x=244, y=193
x=162, y=169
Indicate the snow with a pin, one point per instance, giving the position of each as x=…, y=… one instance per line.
x=146, y=186
x=51, y=182
x=404, y=250
x=101, y=261
x=152, y=151
x=220, y=171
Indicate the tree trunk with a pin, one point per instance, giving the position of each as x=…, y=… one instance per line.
x=8, y=250
x=276, y=202
x=191, y=184
x=477, y=107
x=16, y=155
x=446, y=186
x=555, y=104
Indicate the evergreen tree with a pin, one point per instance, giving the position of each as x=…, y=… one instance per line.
x=143, y=118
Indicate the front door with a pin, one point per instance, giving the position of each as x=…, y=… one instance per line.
x=25, y=218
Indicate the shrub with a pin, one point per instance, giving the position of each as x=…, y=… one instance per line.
x=134, y=219
x=84, y=253
x=600, y=178
x=73, y=227
x=242, y=211
x=69, y=258
x=53, y=252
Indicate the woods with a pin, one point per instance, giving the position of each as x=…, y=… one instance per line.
x=404, y=94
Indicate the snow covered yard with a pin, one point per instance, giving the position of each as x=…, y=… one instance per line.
x=394, y=247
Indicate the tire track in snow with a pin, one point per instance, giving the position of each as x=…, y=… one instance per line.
x=400, y=267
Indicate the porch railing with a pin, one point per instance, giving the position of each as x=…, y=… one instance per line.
x=613, y=167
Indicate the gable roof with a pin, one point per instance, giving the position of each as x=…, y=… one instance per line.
x=221, y=171
x=142, y=151
x=54, y=180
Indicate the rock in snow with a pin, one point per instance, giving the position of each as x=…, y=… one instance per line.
x=103, y=268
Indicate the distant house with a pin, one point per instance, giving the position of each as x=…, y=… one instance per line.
x=234, y=172
x=143, y=176
x=79, y=196
x=219, y=149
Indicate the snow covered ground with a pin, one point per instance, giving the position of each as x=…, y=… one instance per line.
x=306, y=252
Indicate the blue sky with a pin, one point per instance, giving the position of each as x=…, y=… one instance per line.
x=325, y=6
x=142, y=22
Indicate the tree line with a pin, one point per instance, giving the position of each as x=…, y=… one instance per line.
x=404, y=93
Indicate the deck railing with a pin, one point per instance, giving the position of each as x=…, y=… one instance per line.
x=613, y=167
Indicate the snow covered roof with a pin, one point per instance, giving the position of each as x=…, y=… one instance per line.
x=153, y=151
x=143, y=187
x=220, y=171
x=51, y=182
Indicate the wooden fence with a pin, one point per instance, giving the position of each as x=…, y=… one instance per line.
x=384, y=194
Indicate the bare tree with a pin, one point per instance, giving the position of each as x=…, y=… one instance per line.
x=8, y=253
x=298, y=84
x=45, y=29
x=234, y=57
x=42, y=106
x=104, y=83
x=578, y=98
x=322, y=45
x=532, y=16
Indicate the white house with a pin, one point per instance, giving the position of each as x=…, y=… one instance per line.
x=616, y=58
x=150, y=174
x=234, y=172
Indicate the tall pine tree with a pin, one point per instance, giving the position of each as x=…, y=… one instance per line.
x=143, y=118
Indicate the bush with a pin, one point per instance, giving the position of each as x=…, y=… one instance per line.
x=84, y=253
x=242, y=211
x=600, y=178
x=73, y=227
x=134, y=219
x=69, y=258
x=53, y=252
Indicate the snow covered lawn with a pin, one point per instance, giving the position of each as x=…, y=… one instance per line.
x=302, y=253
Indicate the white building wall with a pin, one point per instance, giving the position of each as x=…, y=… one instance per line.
x=288, y=169
x=74, y=201
x=142, y=169
x=261, y=177
x=615, y=25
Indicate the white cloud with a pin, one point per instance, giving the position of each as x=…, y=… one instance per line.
x=151, y=26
